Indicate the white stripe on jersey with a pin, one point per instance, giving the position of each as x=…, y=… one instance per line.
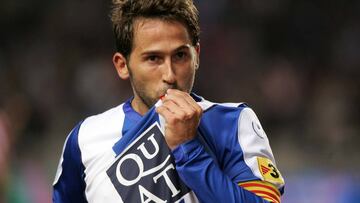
x=97, y=153
x=252, y=144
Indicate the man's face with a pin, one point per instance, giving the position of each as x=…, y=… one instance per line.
x=162, y=58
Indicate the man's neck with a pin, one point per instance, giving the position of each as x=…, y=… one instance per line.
x=139, y=106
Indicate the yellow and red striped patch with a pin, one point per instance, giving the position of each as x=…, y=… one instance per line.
x=263, y=189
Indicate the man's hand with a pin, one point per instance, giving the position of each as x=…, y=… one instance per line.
x=182, y=115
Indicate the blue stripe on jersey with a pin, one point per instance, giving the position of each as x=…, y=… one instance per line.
x=148, y=119
x=131, y=117
x=130, y=112
x=71, y=185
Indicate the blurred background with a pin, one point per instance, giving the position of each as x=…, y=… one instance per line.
x=296, y=63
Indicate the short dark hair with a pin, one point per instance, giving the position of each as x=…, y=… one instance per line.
x=124, y=12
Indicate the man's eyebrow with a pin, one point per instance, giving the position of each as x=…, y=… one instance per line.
x=151, y=52
x=185, y=46
x=157, y=52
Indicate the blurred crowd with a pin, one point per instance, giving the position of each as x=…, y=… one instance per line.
x=296, y=63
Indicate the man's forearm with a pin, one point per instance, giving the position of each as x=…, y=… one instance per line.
x=199, y=172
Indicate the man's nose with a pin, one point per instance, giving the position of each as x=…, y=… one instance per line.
x=168, y=72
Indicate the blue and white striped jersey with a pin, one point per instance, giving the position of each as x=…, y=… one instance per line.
x=121, y=156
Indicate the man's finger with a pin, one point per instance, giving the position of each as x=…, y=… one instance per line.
x=180, y=98
x=178, y=111
x=184, y=99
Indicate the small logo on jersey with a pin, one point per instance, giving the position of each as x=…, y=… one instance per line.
x=269, y=171
x=145, y=171
x=264, y=169
x=258, y=129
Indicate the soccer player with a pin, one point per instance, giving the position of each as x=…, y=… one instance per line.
x=165, y=144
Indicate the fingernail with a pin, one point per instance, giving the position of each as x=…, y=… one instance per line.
x=162, y=97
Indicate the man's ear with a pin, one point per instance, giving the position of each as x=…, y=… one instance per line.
x=197, y=50
x=120, y=64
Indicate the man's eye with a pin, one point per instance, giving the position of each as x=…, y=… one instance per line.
x=152, y=58
x=180, y=55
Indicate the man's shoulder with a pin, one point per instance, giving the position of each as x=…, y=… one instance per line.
x=104, y=122
x=107, y=114
x=207, y=105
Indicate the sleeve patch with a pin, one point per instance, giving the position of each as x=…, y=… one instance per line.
x=269, y=172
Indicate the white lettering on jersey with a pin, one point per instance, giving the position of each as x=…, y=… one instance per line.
x=149, y=195
x=168, y=180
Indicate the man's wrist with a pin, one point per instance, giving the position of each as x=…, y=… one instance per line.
x=184, y=151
